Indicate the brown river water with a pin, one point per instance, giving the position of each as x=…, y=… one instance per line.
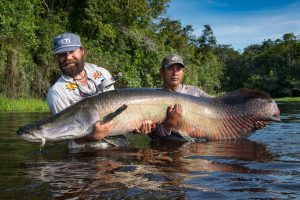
x=264, y=166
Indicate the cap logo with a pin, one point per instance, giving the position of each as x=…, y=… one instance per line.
x=175, y=59
x=65, y=41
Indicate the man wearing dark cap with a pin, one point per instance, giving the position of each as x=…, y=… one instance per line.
x=79, y=80
x=172, y=72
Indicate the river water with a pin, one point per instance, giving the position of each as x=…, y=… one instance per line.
x=264, y=166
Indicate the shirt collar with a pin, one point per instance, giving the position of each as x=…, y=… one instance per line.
x=177, y=89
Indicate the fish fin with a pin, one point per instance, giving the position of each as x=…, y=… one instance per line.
x=112, y=115
x=242, y=95
x=184, y=135
x=43, y=143
x=97, y=145
x=117, y=141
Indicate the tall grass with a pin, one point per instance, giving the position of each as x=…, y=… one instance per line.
x=15, y=105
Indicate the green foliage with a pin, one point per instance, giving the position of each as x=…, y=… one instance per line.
x=204, y=70
x=132, y=37
x=274, y=66
x=207, y=40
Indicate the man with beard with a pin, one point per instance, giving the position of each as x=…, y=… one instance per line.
x=79, y=80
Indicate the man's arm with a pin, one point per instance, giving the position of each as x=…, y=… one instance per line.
x=173, y=117
x=99, y=133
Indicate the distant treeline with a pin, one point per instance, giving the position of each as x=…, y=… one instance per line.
x=132, y=36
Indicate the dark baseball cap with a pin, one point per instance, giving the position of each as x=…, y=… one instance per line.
x=171, y=60
x=66, y=42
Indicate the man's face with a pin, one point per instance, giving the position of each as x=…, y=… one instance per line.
x=173, y=75
x=71, y=63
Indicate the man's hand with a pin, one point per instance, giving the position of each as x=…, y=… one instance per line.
x=174, y=116
x=99, y=133
x=260, y=124
x=102, y=130
x=146, y=127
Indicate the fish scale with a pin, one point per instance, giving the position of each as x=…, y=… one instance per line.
x=230, y=116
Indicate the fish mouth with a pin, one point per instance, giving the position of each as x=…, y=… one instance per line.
x=29, y=136
x=275, y=118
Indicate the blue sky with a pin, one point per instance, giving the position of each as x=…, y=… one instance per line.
x=239, y=22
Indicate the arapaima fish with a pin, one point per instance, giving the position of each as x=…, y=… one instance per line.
x=229, y=116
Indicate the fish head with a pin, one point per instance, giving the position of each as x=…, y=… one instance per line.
x=264, y=109
x=62, y=126
x=273, y=112
x=252, y=104
x=28, y=132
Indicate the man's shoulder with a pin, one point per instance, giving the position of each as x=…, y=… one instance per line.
x=192, y=90
x=59, y=84
x=189, y=87
x=92, y=67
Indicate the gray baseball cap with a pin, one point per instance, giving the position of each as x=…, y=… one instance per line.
x=66, y=42
x=171, y=60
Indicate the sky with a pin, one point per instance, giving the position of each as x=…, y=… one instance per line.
x=239, y=23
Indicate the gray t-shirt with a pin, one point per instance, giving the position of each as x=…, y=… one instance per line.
x=184, y=89
x=191, y=90
x=65, y=92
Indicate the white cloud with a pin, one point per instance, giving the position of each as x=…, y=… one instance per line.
x=254, y=30
x=242, y=28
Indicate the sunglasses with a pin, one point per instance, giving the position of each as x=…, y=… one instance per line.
x=83, y=94
x=105, y=84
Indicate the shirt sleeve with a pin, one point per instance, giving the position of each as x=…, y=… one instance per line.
x=57, y=102
x=201, y=93
x=193, y=91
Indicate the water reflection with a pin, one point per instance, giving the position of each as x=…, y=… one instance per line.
x=267, y=166
x=155, y=168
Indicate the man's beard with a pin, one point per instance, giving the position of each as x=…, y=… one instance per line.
x=73, y=70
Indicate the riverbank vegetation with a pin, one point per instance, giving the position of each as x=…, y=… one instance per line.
x=22, y=105
x=288, y=99
x=132, y=36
